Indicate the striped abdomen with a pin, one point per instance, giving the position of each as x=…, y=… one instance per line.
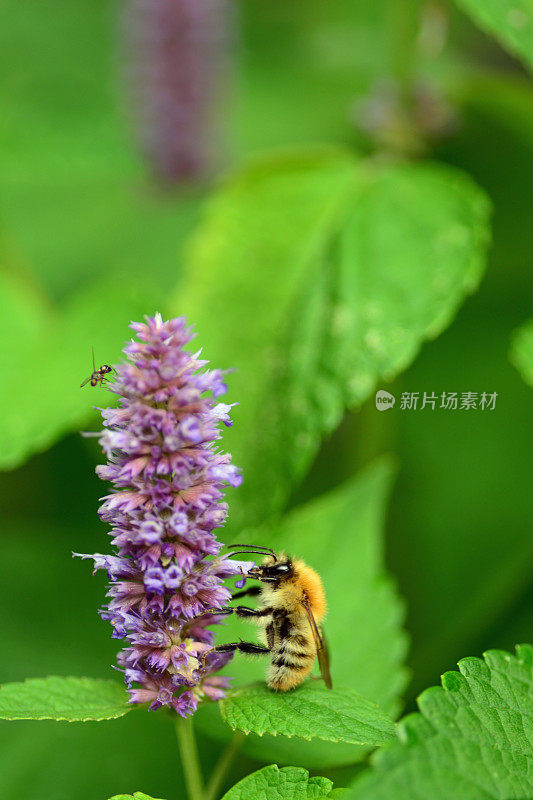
x=293, y=651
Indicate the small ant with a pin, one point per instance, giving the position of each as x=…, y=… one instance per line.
x=98, y=375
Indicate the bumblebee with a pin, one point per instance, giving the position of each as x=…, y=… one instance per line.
x=291, y=606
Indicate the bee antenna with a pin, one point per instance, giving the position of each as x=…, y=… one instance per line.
x=251, y=552
x=253, y=548
x=94, y=364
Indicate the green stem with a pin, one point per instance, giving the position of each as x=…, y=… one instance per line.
x=219, y=773
x=404, y=23
x=189, y=757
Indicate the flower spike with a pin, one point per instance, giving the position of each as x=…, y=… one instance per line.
x=168, y=486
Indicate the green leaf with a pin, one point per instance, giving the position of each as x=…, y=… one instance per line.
x=509, y=21
x=433, y=541
x=261, y=236
x=136, y=796
x=316, y=276
x=272, y=783
x=340, y=534
x=472, y=739
x=311, y=712
x=69, y=699
x=521, y=353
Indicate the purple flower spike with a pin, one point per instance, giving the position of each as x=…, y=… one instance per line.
x=176, y=55
x=166, y=503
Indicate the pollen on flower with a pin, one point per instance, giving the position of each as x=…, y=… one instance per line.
x=168, y=480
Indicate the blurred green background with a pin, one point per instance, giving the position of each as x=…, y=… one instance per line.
x=89, y=231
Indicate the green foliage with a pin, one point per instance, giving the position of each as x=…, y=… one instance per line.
x=272, y=783
x=54, y=623
x=509, y=21
x=522, y=351
x=78, y=205
x=59, y=761
x=340, y=534
x=76, y=195
x=136, y=796
x=68, y=699
x=80, y=202
x=262, y=236
x=332, y=272
x=472, y=739
x=462, y=497
x=50, y=355
x=309, y=712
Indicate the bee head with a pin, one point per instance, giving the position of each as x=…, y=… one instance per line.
x=273, y=569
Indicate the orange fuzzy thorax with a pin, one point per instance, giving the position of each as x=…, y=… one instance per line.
x=311, y=585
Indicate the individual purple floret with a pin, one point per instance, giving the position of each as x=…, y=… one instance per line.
x=168, y=482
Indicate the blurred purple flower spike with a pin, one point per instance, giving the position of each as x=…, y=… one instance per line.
x=168, y=480
x=176, y=55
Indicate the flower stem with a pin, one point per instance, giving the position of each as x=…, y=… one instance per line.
x=404, y=24
x=219, y=773
x=189, y=757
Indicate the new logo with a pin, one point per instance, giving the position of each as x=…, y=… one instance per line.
x=384, y=400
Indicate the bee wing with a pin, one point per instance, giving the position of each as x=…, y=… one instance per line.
x=321, y=647
x=85, y=381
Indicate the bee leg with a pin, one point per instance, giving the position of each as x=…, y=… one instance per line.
x=215, y=612
x=244, y=647
x=269, y=631
x=252, y=591
x=241, y=611
x=253, y=649
x=244, y=611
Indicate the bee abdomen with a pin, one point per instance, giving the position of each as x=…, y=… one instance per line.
x=300, y=639
x=286, y=672
x=287, y=660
